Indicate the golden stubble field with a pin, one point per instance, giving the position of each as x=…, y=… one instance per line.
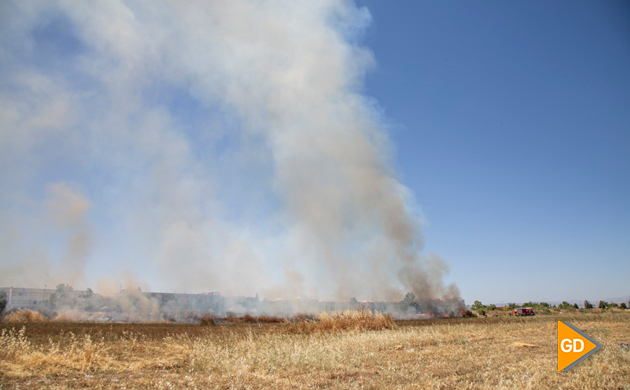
x=475, y=353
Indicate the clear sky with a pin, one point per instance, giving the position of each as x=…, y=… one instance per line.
x=511, y=122
x=307, y=148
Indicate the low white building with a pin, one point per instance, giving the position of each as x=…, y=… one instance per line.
x=32, y=298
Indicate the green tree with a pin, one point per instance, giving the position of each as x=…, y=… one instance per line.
x=612, y=305
x=409, y=301
x=62, y=297
x=537, y=306
x=477, y=305
x=90, y=300
x=492, y=306
x=623, y=305
x=588, y=305
x=3, y=301
x=602, y=304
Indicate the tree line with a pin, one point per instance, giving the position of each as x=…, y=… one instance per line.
x=545, y=307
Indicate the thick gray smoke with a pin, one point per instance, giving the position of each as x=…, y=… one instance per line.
x=221, y=145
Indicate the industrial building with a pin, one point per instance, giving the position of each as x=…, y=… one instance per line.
x=34, y=298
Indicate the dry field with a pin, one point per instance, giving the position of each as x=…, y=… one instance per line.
x=510, y=353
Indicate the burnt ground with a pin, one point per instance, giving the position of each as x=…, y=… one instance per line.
x=41, y=332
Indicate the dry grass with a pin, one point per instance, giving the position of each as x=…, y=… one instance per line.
x=520, y=344
x=23, y=316
x=349, y=320
x=233, y=320
x=270, y=319
x=207, y=321
x=249, y=319
x=23, y=359
x=508, y=353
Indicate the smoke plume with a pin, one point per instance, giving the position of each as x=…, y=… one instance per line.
x=224, y=145
x=60, y=221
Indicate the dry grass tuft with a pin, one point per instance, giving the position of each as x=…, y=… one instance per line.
x=21, y=358
x=79, y=353
x=249, y=319
x=349, y=320
x=271, y=320
x=207, y=321
x=24, y=316
x=12, y=343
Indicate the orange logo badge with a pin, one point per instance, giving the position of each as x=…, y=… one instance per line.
x=573, y=346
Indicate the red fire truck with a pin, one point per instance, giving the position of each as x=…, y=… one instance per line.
x=524, y=311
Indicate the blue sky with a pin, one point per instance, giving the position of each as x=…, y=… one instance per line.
x=307, y=148
x=511, y=122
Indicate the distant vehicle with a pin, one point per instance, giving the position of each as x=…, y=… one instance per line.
x=524, y=311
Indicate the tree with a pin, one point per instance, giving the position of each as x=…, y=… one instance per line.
x=90, y=300
x=575, y=305
x=588, y=305
x=477, y=305
x=409, y=301
x=602, y=304
x=623, y=305
x=3, y=301
x=612, y=305
x=492, y=306
x=63, y=297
